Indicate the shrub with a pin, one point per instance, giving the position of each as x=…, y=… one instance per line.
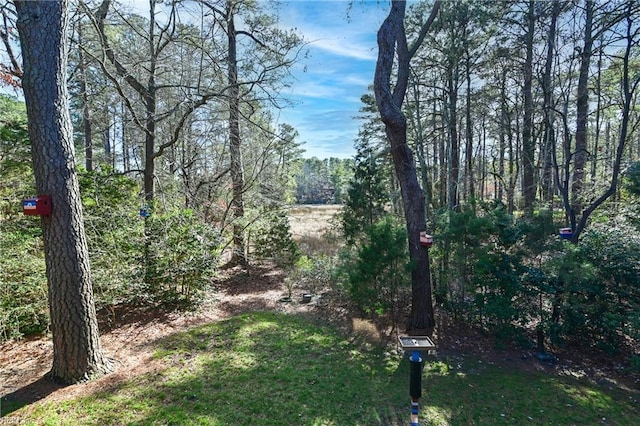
x=164, y=260
x=600, y=282
x=180, y=255
x=23, y=283
x=380, y=271
x=478, y=266
x=273, y=240
x=114, y=233
x=313, y=274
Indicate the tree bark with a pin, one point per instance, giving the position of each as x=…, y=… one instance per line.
x=235, y=142
x=392, y=36
x=471, y=190
x=582, y=111
x=77, y=355
x=454, y=143
x=442, y=156
x=150, y=102
x=528, y=148
x=549, y=130
x=502, y=145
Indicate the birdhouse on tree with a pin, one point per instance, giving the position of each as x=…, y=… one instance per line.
x=37, y=206
x=426, y=240
x=566, y=233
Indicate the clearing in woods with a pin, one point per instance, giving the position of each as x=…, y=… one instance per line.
x=130, y=336
x=312, y=220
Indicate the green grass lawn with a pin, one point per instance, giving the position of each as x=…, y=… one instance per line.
x=273, y=369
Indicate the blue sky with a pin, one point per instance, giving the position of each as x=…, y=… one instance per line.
x=328, y=84
x=342, y=56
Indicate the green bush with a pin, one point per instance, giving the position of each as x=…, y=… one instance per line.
x=313, y=274
x=505, y=274
x=272, y=239
x=380, y=271
x=23, y=282
x=15, y=157
x=599, y=286
x=166, y=259
x=114, y=232
x=478, y=263
x=181, y=253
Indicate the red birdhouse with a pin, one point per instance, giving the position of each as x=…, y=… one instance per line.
x=426, y=240
x=40, y=205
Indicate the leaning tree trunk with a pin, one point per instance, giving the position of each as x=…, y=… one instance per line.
x=77, y=355
x=391, y=35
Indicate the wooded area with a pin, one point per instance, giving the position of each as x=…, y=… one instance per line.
x=522, y=118
x=491, y=125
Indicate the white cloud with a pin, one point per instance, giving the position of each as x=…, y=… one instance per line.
x=314, y=89
x=349, y=50
x=343, y=27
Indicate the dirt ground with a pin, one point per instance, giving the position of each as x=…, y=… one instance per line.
x=128, y=338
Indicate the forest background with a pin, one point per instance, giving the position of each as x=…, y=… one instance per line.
x=522, y=118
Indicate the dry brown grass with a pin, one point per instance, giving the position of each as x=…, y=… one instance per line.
x=365, y=329
x=313, y=228
x=312, y=219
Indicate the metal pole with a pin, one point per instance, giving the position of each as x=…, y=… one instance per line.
x=415, y=385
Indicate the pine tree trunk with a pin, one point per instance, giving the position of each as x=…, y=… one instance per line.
x=528, y=148
x=150, y=103
x=454, y=143
x=504, y=123
x=582, y=111
x=549, y=143
x=86, y=111
x=442, y=155
x=471, y=190
x=235, y=148
x=77, y=355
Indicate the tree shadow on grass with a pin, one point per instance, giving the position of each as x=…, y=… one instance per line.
x=259, y=368
x=27, y=395
x=465, y=390
x=272, y=369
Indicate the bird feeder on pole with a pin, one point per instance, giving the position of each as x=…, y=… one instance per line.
x=415, y=345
